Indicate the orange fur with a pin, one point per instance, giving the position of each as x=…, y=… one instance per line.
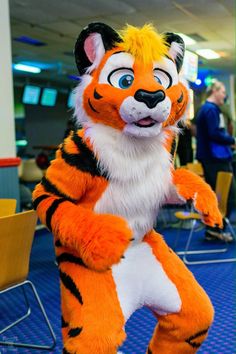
x=99, y=316
x=196, y=308
x=88, y=244
x=192, y=187
x=178, y=108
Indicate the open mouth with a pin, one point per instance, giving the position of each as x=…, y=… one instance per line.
x=145, y=122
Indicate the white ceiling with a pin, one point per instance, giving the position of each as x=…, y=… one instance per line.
x=58, y=23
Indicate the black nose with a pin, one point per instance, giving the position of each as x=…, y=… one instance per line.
x=151, y=99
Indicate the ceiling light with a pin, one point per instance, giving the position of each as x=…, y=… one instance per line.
x=208, y=53
x=187, y=40
x=27, y=68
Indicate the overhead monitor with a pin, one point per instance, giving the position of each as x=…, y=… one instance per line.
x=31, y=94
x=48, y=97
x=71, y=99
x=190, y=66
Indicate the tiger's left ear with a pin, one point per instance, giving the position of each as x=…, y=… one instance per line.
x=91, y=45
x=176, y=48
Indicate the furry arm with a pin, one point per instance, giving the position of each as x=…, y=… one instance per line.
x=64, y=201
x=192, y=187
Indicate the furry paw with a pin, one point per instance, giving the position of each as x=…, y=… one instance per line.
x=207, y=206
x=107, y=239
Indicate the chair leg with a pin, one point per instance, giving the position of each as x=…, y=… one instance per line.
x=28, y=312
x=230, y=227
x=187, y=252
x=26, y=345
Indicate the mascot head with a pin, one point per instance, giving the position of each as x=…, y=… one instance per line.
x=129, y=80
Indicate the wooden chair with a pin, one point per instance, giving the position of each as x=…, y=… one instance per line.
x=16, y=237
x=195, y=167
x=222, y=192
x=7, y=207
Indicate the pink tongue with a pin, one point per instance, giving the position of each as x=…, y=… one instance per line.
x=145, y=121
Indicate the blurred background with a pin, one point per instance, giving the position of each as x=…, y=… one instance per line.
x=37, y=78
x=43, y=34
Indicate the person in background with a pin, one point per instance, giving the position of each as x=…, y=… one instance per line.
x=184, y=147
x=214, y=148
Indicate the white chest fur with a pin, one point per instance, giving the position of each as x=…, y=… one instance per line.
x=139, y=176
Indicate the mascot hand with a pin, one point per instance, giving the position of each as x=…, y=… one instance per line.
x=189, y=186
x=106, y=241
x=206, y=204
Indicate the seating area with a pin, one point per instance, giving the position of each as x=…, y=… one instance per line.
x=217, y=279
x=17, y=235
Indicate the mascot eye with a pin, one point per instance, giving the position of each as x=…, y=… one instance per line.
x=163, y=77
x=121, y=78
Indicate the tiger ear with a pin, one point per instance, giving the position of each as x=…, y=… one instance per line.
x=176, y=48
x=91, y=45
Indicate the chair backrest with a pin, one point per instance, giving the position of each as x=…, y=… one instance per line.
x=195, y=167
x=30, y=171
x=223, y=182
x=16, y=236
x=7, y=207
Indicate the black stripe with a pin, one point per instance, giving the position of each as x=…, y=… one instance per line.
x=96, y=95
x=198, y=334
x=51, y=210
x=50, y=187
x=58, y=243
x=88, y=156
x=65, y=351
x=196, y=344
x=180, y=99
x=73, y=332
x=63, y=323
x=39, y=200
x=70, y=285
x=149, y=351
x=67, y=257
x=84, y=160
x=90, y=105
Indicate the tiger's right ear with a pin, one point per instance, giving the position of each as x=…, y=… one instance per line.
x=91, y=45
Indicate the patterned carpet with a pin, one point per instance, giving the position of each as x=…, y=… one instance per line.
x=218, y=281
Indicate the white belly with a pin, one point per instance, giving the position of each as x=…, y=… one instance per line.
x=141, y=281
x=137, y=200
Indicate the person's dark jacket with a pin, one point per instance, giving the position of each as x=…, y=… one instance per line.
x=209, y=130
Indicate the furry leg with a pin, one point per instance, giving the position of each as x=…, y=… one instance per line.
x=182, y=332
x=93, y=321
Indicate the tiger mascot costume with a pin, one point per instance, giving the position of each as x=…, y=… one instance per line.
x=100, y=197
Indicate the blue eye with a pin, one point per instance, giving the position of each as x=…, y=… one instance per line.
x=126, y=81
x=121, y=78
